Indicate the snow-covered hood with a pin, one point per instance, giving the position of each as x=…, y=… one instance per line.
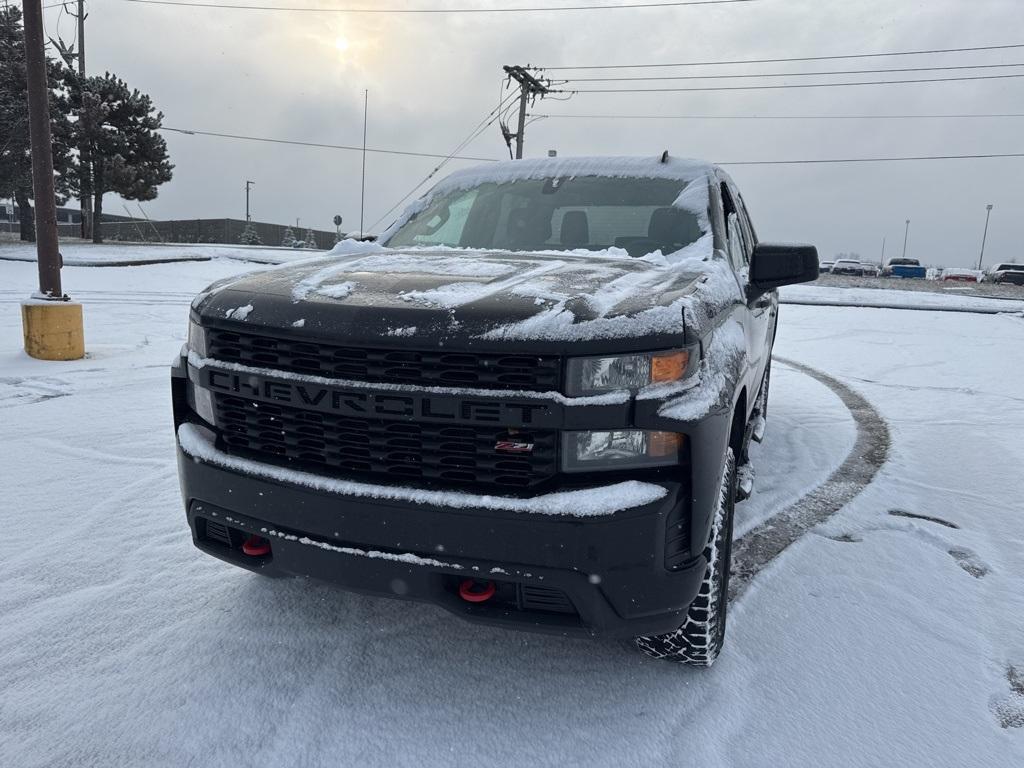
x=470, y=298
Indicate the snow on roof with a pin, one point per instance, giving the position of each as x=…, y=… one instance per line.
x=646, y=167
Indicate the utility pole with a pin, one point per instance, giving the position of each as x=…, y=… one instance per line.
x=906, y=234
x=86, y=199
x=68, y=54
x=362, y=187
x=529, y=89
x=984, y=237
x=247, y=185
x=52, y=324
x=883, y=250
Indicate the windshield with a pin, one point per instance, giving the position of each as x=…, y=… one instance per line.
x=903, y=263
x=1009, y=268
x=588, y=212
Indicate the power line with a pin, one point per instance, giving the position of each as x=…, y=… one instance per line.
x=777, y=117
x=793, y=58
x=871, y=159
x=483, y=125
x=735, y=75
x=190, y=132
x=534, y=9
x=789, y=85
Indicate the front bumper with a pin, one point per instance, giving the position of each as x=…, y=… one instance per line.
x=609, y=568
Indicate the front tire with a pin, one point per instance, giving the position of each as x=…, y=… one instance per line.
x=700, y=638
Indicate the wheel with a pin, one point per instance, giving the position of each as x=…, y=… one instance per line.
x=699, y=640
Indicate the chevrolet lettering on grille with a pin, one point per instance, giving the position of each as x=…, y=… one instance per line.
x=382, y=405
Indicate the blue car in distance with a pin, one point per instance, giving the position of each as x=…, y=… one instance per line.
x=902, y=267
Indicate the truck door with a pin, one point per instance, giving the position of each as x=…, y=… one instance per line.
x=759, y=317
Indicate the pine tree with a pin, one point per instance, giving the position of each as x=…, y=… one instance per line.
x=15, y=145
x=250, y=236
x=288, y=241
x=117, y=129
x=310, y=239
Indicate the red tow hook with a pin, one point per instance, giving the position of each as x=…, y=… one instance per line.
x=256, y=546
x=473, y=591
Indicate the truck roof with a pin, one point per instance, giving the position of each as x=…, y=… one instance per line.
x=648, y=166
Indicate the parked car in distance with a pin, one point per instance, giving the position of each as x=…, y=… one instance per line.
x=960, y=275
x=847, y=267
x=493, y=452
x=825, y=267
x=869, y=270
x=902, y=267
x=1006, y=273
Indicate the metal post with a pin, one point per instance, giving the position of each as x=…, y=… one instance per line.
x=247, y=185
x=984, y=237
x=524, y=95
x=883, y=251
x=42, y=160
x=906, y=234
x=528, y=86
x=362, y=187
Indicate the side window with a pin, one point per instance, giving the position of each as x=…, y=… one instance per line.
x=748, y=225
x=739, y=252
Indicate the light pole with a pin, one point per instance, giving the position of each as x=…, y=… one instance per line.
x=247, y=185
x=883, y=251
x=906, y=234
x=984, y=237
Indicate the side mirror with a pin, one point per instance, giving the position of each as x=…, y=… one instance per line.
x=775, y=264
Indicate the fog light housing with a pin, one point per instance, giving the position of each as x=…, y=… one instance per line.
x=619, y=449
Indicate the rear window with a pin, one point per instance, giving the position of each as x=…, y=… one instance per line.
x=1010, y=268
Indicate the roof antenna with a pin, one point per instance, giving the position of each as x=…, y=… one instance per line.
x=664, y=156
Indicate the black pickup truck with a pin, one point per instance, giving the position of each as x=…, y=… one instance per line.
x=527, y=402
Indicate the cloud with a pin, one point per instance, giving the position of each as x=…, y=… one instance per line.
x=432, y=78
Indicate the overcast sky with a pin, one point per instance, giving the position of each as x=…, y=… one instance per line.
x=432, y=78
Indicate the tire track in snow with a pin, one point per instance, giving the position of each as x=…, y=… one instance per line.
x=753, y=551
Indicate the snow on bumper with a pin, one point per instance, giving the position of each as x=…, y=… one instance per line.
x=586, y=502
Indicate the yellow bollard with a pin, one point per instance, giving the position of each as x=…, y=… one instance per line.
x=53, y=330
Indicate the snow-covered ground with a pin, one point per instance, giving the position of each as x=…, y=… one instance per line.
x=80, y=253
x=876, y=640
x=954, y=300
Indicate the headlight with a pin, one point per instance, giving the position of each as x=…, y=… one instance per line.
x=593, y=375
x=201, y=402
x=619, y=449
x=196, y=338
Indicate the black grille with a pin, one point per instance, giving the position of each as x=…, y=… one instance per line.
x=431, y=368
x=447, y=454
x=534, y=598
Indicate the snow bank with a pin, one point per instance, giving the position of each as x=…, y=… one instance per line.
x=588, y=502
x=896, y=299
